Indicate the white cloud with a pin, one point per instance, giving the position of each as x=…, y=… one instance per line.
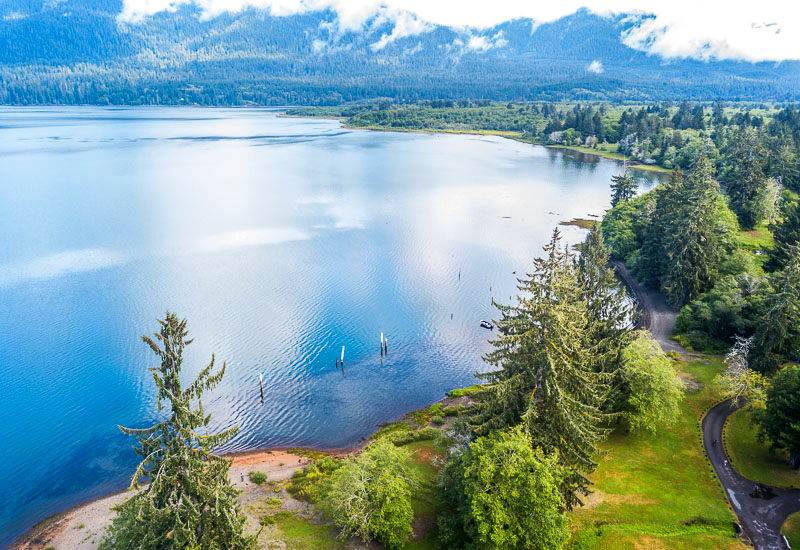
x=484, y=43
x=60, y=263
x=740, y=29
x=595, y=67
x=251, y=237
x=405, y=24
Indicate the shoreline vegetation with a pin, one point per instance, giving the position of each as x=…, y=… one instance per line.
x=512, y=135
x=81, y=525
x=619, y=509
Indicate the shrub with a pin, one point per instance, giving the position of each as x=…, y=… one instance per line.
x=425, y=434
x=370, y=495
x=438, y=420
x=454, y=410
x=309, y=483
x=502, y=494
x=259, y=478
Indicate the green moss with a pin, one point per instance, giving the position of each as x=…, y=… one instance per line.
x=752, y=458
x=470, y=391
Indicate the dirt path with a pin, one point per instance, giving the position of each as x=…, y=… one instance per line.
x=657, y=315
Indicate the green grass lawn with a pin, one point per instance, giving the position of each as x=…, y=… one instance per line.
x=659, y=491
x=752, y=458
x=792, y=530
x=299, y=533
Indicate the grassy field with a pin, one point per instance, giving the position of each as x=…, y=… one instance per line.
x=792, y=530
x=752, y=458
x=659, y=491
x=650, y=491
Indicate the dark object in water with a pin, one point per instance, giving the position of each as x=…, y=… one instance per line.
x=487, y=324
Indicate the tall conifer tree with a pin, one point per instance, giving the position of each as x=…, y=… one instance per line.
x=698, y=236
x=545, y=379
x=623, y=187
x=778, y=331
x=653, y=260
x=746, y=182
x=610, y=315
x=189, y=501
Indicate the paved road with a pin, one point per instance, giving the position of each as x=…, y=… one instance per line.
x=761, y=519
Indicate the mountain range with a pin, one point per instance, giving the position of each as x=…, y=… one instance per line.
x=82, y=51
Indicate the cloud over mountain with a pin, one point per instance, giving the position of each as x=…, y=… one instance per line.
x=713, y=29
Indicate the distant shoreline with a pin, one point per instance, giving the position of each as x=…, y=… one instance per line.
x=515, y=136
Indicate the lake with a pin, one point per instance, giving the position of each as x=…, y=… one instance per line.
x=280, y=240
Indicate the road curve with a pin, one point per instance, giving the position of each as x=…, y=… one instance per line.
x=761, y=519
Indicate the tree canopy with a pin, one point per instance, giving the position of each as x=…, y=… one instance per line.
x=369, y=496
x=189, y=501
x=501, y=493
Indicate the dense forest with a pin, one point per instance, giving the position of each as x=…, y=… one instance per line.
x=81, y=52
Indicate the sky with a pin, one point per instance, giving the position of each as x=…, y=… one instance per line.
x=718, y=29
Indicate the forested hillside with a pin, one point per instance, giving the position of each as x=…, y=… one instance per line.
x=80, y=51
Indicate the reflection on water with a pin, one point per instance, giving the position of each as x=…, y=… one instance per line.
x=281, y=240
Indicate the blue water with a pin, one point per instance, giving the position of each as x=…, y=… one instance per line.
x=281, y=240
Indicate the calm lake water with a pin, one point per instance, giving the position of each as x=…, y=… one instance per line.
x=281, y=240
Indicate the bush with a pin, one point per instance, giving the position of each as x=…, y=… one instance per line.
x=425, y=434
x=712, y=320
x=309, y=484
x=370, y=495
x=259, y=478
x=652, y=391
x=502, y=494
x=453, y=410
x=438, y=420
x=390, y=429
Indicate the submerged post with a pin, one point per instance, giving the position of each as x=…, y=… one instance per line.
x=261, y=384
x=342, y=356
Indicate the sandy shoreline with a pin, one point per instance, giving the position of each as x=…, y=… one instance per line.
x=81, y=527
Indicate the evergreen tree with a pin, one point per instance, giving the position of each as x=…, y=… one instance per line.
x=745, y=180
x=778, y=420
x=623, y=187
x=698, y=237
x=610, y=315
x=189, y=502
x=652, y=261
x=787, y=234
x=777, y=333
x=546, y=380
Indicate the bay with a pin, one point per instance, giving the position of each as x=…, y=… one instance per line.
x=281, y=240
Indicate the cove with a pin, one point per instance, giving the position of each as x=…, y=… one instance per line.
x=281, y=240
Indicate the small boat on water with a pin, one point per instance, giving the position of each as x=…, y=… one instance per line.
x=487, y=324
